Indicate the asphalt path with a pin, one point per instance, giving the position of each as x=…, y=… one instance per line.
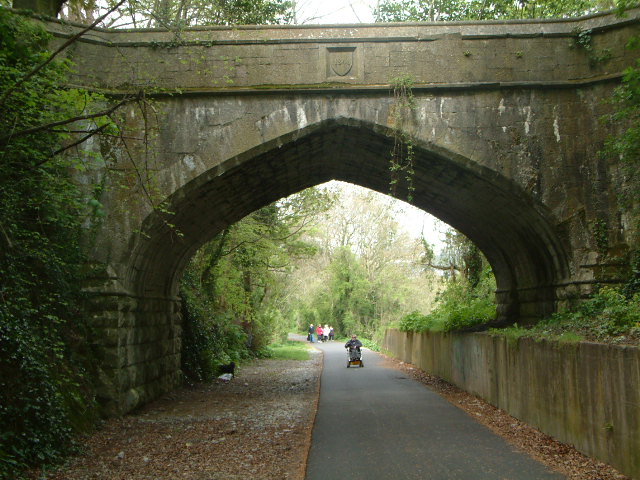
x=376, y=423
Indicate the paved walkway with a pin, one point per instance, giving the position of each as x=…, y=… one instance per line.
x=375, y=423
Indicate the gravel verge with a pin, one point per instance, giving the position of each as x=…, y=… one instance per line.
x=257, y=426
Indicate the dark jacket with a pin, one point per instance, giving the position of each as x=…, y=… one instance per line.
x=353, y=343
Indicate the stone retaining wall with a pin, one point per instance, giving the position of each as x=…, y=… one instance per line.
x=583, y=394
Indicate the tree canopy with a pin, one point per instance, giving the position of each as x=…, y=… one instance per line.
x=449, y=10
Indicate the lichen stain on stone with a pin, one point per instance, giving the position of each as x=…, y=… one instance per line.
x=269, y=123
x=189, y=162
x=527, y=123
x=556, y=125
x=501, y=107
x=301, y=117
x=200, y=113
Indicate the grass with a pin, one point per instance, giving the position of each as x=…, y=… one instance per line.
x=289, y=350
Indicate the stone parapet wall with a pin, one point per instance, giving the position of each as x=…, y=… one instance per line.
x=435, y=55
x=583, y=394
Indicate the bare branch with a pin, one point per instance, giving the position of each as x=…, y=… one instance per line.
x=51, y=57
x=4, y=140
x=78, y=142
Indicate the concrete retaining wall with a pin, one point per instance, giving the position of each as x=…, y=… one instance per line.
x=583, y=394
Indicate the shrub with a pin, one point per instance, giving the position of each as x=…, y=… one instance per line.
x=460, y=306
x=608, y=316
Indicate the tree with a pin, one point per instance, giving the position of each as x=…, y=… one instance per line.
x=178, y=14
x=46, y=364
x=448, y=10
x=233, y=285
x=366, y=275
x=459, y=256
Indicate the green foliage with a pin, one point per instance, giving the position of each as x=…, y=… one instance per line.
x=232, y=287
x=609, y=316
x=624, y=144
x=416, y=322
x=366, y=275
x=633, y=284
x=208, y=339
x=448, y=10
x=178, y=14
x=402, y=154
x=370, y=344
x=460, y=306
x=349, y=295
x=583, y=41
x=44, y=357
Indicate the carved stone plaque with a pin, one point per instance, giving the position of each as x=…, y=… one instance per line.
x=341, y=61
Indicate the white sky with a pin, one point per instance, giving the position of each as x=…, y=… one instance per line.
x=335, y=11
x=413, y=220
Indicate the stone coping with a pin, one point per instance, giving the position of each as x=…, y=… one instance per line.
x=348, y=33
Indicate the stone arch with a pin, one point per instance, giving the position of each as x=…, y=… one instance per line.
x=514, y=231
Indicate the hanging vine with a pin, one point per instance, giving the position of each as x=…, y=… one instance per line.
x=402, y=154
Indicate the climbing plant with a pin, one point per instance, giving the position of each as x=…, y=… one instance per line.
x=624, y=144
x=583, y=40
x=402, y=154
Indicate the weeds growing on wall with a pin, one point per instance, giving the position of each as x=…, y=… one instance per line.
x=402, y=154
x=609, y=316
x=624, y=145
x=583, y=39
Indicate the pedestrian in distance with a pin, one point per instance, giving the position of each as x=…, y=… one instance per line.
x=311, y=331
x=319, y=332
x=325, y=333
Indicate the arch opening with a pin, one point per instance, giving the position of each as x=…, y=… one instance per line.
x=515, y=233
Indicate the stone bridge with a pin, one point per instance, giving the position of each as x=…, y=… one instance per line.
x=505, y=126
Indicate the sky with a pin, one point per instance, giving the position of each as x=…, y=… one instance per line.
x=335, y=11
x=412, y=220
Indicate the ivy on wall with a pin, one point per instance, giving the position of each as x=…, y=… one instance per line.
x=403, y=153
x=45, y=392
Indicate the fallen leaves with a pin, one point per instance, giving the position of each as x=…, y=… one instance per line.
x=256, y=426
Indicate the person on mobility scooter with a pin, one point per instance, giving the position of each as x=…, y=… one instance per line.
x=354, y=354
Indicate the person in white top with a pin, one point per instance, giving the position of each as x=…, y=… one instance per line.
x=325, y=333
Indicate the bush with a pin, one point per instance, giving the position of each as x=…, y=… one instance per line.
x=209, y=340
x=415, y=322
x=607, y=314
x=460, y=306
